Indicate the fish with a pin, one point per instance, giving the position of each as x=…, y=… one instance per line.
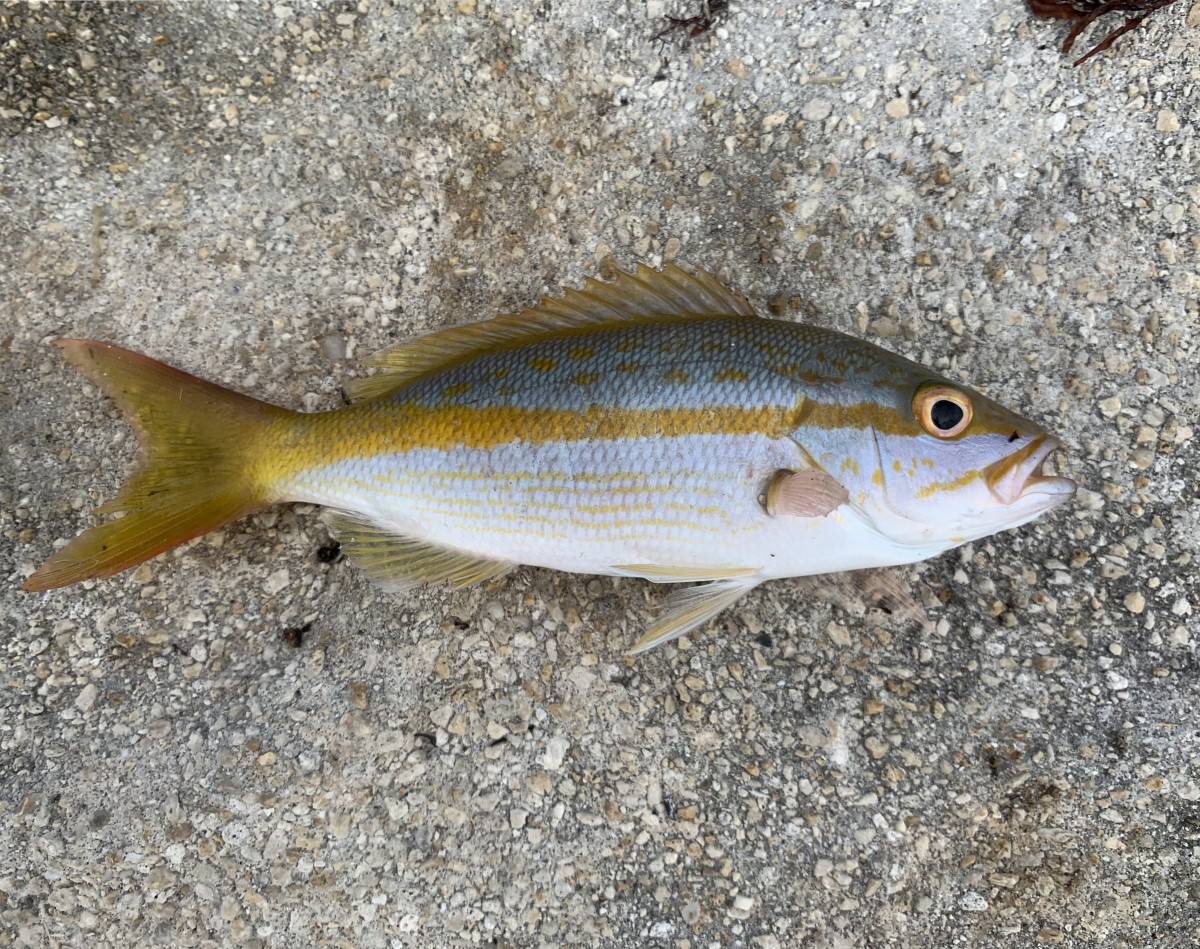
x=654, y=426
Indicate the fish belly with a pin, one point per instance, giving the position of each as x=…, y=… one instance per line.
x=602, y=506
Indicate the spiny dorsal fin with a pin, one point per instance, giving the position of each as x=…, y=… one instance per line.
x=399, y=563
x=646, y=294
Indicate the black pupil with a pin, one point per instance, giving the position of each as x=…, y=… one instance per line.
x=945, y=414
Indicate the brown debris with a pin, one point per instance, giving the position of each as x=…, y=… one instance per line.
x=1086, y=12
x=710, y=11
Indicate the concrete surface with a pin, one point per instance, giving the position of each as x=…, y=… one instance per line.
x=266, y=193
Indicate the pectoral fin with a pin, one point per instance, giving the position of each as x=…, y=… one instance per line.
x=692, y=606
x=399, y=563
x=810, y=492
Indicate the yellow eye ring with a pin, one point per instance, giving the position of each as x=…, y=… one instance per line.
x=943, y=411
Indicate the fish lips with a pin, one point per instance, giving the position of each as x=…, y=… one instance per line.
x=1019, y=477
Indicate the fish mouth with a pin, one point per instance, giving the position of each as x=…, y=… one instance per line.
x=1019, y=476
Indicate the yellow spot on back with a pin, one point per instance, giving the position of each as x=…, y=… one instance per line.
x=729, y=374
x=675, y=375
x=851, y=465
x=789, y=370
x=581, y=352
x=820, y=379
x=896, y=466
x=629, y=344
x=629, y=366
x=459, y=388
x=501, y=372
x=585, y=378
x=543, y=363
x=877, y=478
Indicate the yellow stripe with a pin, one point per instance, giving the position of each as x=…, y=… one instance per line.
x=885, y=421
x=858, y=416
x=463, y=518
x=369, y=429
x=937, y=486
x=422, y=484
x=608, y=537
x=640, y=480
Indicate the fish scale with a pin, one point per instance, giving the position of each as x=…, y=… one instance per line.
x=698, y=362
x=570, y=505
x=651, y=427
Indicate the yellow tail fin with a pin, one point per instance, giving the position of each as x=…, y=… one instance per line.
x=197, y=468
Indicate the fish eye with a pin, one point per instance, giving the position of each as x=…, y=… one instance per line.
x=943, y=411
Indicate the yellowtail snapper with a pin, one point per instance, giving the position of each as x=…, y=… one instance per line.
x=651, y=427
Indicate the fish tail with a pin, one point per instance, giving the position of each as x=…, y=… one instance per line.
x=204, y=461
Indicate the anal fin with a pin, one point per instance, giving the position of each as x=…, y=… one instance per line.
x=664, y=573
x=399, y=563
x=691, y=607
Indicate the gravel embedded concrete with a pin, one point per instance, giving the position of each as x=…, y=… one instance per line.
x=242, y=743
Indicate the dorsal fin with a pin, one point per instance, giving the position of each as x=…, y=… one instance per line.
x=644, y=295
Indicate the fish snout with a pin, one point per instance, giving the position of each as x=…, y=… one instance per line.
x=1019, y=476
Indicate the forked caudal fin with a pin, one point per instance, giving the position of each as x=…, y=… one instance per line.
x=199, y=468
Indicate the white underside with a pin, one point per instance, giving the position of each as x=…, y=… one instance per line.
x=620, y=508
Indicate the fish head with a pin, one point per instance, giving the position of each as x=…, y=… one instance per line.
x=933, y=464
